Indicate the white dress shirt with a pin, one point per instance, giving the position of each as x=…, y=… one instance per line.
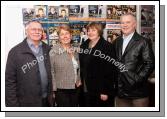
x=126, y=40
x=76, y=66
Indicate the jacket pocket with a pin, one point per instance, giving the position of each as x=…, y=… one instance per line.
x=139, y=68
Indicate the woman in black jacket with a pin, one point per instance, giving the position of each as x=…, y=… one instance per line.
x=97, y=72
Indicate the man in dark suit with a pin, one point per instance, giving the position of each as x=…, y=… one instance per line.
x=135, y=52
x=28, y=75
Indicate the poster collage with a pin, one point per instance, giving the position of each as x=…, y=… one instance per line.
x=148, y=22
x=78, y=16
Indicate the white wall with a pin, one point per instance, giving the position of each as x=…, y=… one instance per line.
x=13, y=27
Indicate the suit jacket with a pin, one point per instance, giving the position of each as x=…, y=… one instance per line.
x=138, y=59
x=63, y=76
x=97, y=73
x=23, y=86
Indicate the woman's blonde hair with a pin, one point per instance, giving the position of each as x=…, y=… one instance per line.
x=64, y=27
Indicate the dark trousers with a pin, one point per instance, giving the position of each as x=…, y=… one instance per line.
x=140, y=102
x=93, y=100
x=45, y=102
x=66, y=97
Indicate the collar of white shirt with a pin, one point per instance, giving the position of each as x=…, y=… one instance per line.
x=126, y=40
x=128, y=37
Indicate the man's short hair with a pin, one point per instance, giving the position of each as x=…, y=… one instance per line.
x=129, y=14
x=31, y=21
x=63, y=10
x=40, y=9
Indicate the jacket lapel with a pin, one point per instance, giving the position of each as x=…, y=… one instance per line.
x=119, y=48
x=25, y=47
x=130, y=44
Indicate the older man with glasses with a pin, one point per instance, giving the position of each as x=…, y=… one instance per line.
x=28, y=76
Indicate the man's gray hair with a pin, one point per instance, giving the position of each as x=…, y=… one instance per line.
x=31, y=21
x=129, y=14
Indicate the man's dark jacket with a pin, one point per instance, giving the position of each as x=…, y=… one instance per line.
x=138, y=59
x=23, y=86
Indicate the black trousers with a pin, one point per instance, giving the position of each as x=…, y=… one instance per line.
x=66, y=97
x=93, y=100
x=45, y=102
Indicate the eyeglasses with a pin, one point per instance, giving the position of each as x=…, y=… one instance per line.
x=36, y=29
